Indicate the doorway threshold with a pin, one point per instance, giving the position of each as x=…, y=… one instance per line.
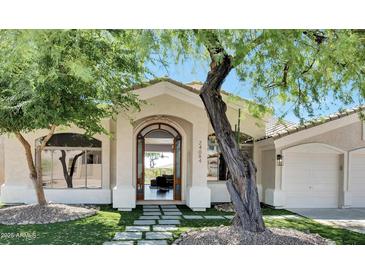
x=161, y=202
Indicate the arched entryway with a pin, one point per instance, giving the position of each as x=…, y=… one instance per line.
x=162, y=183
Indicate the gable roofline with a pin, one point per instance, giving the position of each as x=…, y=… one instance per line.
x=312, y=123
x=190, y=88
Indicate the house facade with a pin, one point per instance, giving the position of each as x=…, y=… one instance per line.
x=317, y=165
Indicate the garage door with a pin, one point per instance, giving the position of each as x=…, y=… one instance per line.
x=311, y=180
x=357, y=179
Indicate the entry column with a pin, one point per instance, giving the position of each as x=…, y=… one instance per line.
x=124, y=193
x=199, y=193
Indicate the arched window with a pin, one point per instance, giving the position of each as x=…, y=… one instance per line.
x=72, y=160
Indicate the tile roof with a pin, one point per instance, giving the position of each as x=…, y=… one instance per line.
x=275, y=130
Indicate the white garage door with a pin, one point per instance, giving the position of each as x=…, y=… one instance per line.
x=311, y=180
x=357, y=179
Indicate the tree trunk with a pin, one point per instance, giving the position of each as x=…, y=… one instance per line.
x=242, y=185
x=33, y=171
x=66, y=175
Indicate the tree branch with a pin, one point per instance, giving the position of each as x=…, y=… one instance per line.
x=49, y=135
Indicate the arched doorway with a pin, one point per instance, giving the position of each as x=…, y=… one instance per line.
x=154, y=142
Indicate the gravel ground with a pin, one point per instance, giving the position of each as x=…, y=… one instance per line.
x=36, y=214
x=229, y=235
x=225, y=207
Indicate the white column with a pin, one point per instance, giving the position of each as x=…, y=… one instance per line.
x=199, y=192
x=124, y=193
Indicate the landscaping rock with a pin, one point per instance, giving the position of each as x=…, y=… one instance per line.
x=230, y=235
x=225, y=207
x=47, y=214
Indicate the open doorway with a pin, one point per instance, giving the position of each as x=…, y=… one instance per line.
x=158, y=163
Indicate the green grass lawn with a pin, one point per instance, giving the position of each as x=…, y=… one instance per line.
x=102, y=227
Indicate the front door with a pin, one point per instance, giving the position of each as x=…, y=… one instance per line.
x=168, y=179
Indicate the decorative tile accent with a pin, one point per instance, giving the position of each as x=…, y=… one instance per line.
x=137, y=228
x=213, y=217
x=193, y=217
x=158, y=235
x=169, y=222
x=144, y=222
x=152, y=242
x=127, y=236
x=164, y=228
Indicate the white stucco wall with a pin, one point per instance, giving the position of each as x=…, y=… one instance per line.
x=18, y=188
x=344, y=135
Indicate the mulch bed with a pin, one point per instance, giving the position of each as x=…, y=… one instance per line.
x=36, y=214
x=230, y=235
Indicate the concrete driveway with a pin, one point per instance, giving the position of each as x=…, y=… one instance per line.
x=349, y=218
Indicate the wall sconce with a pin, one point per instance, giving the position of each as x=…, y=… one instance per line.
x=279, y=160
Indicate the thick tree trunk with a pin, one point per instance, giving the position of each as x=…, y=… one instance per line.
x=242, y=185
x=33, y=171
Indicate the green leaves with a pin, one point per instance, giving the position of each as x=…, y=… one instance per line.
x=298, y=69
x=65, y=77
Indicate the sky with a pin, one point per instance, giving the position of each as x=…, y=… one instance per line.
x=190, y=71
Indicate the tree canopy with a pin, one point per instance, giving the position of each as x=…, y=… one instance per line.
x=64, y=77
x=297, y=68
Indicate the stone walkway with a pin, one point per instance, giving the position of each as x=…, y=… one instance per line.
x=156, y=225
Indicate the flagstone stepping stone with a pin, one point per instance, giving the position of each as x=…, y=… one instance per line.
x=213, y=217
x=169, y=222
x=137, y=228
x=149, y=217
x=229, y=217
x=168, y=217
x=152, y=242
x=150, y=206
x=171, y=209
x=144, y=222
x=152, y=213
x=118, y=243
x=158, y=235
x=172, y=213
x=168, y=206
x=193, y=217
x=127, y=236
x=151, y=209
x=164, y=228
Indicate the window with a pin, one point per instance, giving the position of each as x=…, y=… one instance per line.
x=72, y=161
x=217, y=170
